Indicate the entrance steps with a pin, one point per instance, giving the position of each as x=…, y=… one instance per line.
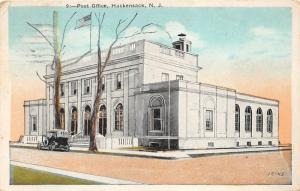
x=80, y=141
x=85, y=144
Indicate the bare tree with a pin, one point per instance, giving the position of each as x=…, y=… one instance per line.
x=57, y=45
x=122, y=25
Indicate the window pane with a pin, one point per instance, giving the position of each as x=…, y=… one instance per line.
x=119, y=84
x=209, y=119
x=62, y=90
x=157, y=113
x=34, y=123
x=157, y=124
x=119, y=117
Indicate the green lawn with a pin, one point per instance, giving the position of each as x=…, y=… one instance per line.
x=26, y=176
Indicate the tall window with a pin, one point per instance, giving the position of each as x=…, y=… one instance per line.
x=209, y=120
x=86, y=86
x=156, y=114
x=62, y=90
x=179, y=77
x=73, y=87
x=34, y=123
x=87, y=121
x=102, y=120
x=62, y=118
x=270, y=121
x=164, y=77
x=118, y=81
x=74, y=121
x=259, y=120
x=119, y=117
x=248, y=119
x=103, y=83
x=237, y=117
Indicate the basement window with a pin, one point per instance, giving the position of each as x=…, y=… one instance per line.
x=154, y=144
x=210, y=144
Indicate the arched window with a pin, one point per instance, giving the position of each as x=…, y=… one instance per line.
x=259, y=120
x=156, y=112
x=102, y=120
x=62, y=118
x=119, y=117
x=74, y=121
x=237, y=117
x=248, y=119
x=87, y=120
x=270, y=121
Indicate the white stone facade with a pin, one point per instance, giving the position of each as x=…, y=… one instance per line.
x=136, y=98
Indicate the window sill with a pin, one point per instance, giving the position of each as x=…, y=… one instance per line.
x=210, y=130
x=115, y=130
x=156, y=131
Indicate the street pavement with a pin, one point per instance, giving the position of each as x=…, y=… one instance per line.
x=255, y=168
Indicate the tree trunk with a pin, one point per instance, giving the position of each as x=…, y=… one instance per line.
x=93, y=146
x=57, y=76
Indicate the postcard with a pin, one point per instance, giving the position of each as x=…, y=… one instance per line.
x=135, y=95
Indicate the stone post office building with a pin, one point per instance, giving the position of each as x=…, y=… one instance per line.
x=152, y=95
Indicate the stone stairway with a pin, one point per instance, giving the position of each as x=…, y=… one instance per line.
x=80, y=141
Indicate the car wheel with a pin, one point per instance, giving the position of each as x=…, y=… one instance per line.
x=67, y=148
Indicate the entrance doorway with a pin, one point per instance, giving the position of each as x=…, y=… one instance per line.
x=74, y=121
x=87, y=121
x=102, y=120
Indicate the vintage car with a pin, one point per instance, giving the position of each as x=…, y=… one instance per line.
x=56, y=139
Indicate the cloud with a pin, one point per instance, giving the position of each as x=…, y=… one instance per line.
x=264, y=31
x=162, y=32
x=78, y=41
x=266, y=55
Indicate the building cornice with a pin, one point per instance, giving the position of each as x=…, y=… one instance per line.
x=94, y=66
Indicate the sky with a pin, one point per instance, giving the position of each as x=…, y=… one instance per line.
x=248, y=49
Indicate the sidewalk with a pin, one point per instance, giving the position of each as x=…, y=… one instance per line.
x=173, y=155
x=100, y=179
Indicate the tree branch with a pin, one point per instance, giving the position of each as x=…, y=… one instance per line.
x=63, y=37
x=148, y=32
x=43, y=80
x=82, y=56
x=117, y=34
x=41, y=34
x=128, y=23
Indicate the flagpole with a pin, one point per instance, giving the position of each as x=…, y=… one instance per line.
x=91, y=35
